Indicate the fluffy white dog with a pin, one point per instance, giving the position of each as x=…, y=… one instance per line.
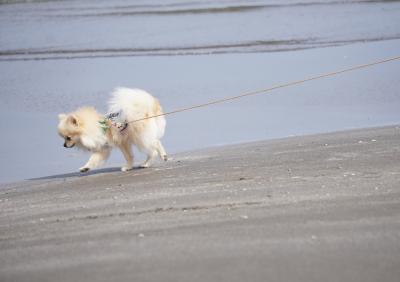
x=87, y=129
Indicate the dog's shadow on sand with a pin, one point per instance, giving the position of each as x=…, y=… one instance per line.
x=82, y=174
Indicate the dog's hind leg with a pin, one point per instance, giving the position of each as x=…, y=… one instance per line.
x=150, y=157
x=97, y=158
x=161, y=151
x=126, y=150
x=156, y=148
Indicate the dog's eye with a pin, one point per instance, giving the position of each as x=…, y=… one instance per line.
x=68, y=138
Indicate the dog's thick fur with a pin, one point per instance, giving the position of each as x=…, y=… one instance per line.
x=82, y=129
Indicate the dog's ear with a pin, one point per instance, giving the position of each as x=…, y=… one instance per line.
x=62, y=116
x=73, y=120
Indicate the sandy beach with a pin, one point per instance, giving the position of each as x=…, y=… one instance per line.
x=302, y=184
x=321, y=207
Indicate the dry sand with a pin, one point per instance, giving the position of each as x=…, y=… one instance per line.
x=314, y=208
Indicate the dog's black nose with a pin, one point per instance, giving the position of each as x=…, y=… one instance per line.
x=65, y=145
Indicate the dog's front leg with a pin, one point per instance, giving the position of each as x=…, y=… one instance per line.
x=97, y=158
x=126, y=150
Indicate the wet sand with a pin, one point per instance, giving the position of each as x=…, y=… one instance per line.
x=313, y=208
x=31, y=100
x=56, y=56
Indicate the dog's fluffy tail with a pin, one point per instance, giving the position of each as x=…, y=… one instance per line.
x=135, y=104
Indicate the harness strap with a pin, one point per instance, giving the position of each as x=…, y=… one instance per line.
x=112, y=117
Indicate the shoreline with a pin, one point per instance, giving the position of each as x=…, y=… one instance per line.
x=116, y=169
x=325, y=205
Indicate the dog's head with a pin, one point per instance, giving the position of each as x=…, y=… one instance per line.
x=69, y=128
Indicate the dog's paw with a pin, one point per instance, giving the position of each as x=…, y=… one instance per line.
x=144, y=165
x=126, y=168
x=84, y=169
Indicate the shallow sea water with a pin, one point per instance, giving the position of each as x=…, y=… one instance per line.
x=59, y=55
